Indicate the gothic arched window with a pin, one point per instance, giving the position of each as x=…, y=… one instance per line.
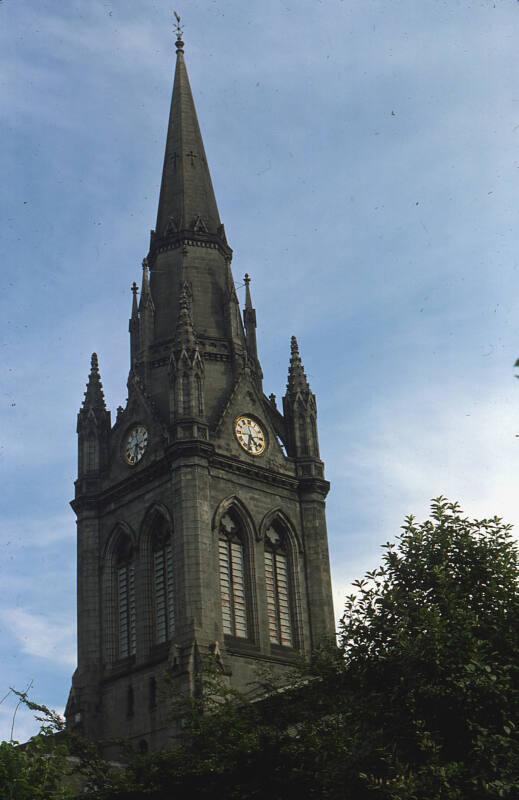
x=163, y=584
x=302, y=430
x=186, y=399
x=279, y=589
x=199, y=395
x=125, y=584
x=315, y=440
x=91, y=453
x=233, y=578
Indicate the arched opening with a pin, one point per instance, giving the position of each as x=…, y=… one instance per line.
x=186, y=399
x=303, y=439
x=315, y=440
x=279, y=587
x=152, y=693
x=162, y=580
x=233, y=577
x=130, y=702
x=199, y=396
x=125, y=590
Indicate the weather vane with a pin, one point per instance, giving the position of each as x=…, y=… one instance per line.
x=178, y=28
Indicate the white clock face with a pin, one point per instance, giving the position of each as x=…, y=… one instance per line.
x=250, y=435
x=135, y=444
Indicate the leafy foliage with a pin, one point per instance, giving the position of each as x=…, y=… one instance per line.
x=431, y=654
x=39, y=769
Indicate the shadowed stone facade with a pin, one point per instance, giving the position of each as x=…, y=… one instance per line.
x=201, y=511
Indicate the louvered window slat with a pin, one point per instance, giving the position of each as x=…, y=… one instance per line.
x=278, y=598
x=225, y=586
x=163, y=593
x=170, y=602
x=232, y=588
x=126, y=615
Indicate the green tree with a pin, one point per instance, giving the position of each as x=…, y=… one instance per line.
x=38, y=769
x=431, y=662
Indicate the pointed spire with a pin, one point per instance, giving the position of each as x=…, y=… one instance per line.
x=185, y=338
x=186, y=194
x=297, y=380
x=249, y=321
x=94, y=395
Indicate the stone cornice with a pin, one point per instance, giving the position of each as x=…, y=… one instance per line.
x=203, y=451
x=261, y=474
x=118, y=491
x=187, y=238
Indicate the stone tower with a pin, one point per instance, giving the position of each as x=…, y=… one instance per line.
x=201, y=511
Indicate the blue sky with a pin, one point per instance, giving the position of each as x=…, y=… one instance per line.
x=365, y=157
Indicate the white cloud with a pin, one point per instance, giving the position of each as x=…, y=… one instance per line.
x=463, y=448
x=411, y=449
x=38, y=532
x=50, y=638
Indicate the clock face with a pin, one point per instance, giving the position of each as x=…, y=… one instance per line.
x=250, y=435
x=135, y=444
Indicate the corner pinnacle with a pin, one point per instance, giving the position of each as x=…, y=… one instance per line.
x=297, y=380
x=94, y=395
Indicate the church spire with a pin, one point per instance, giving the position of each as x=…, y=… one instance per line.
x=187, y=200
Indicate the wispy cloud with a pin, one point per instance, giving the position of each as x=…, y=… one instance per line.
x=48, y=637
x=411, y=449
x=36, y=532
